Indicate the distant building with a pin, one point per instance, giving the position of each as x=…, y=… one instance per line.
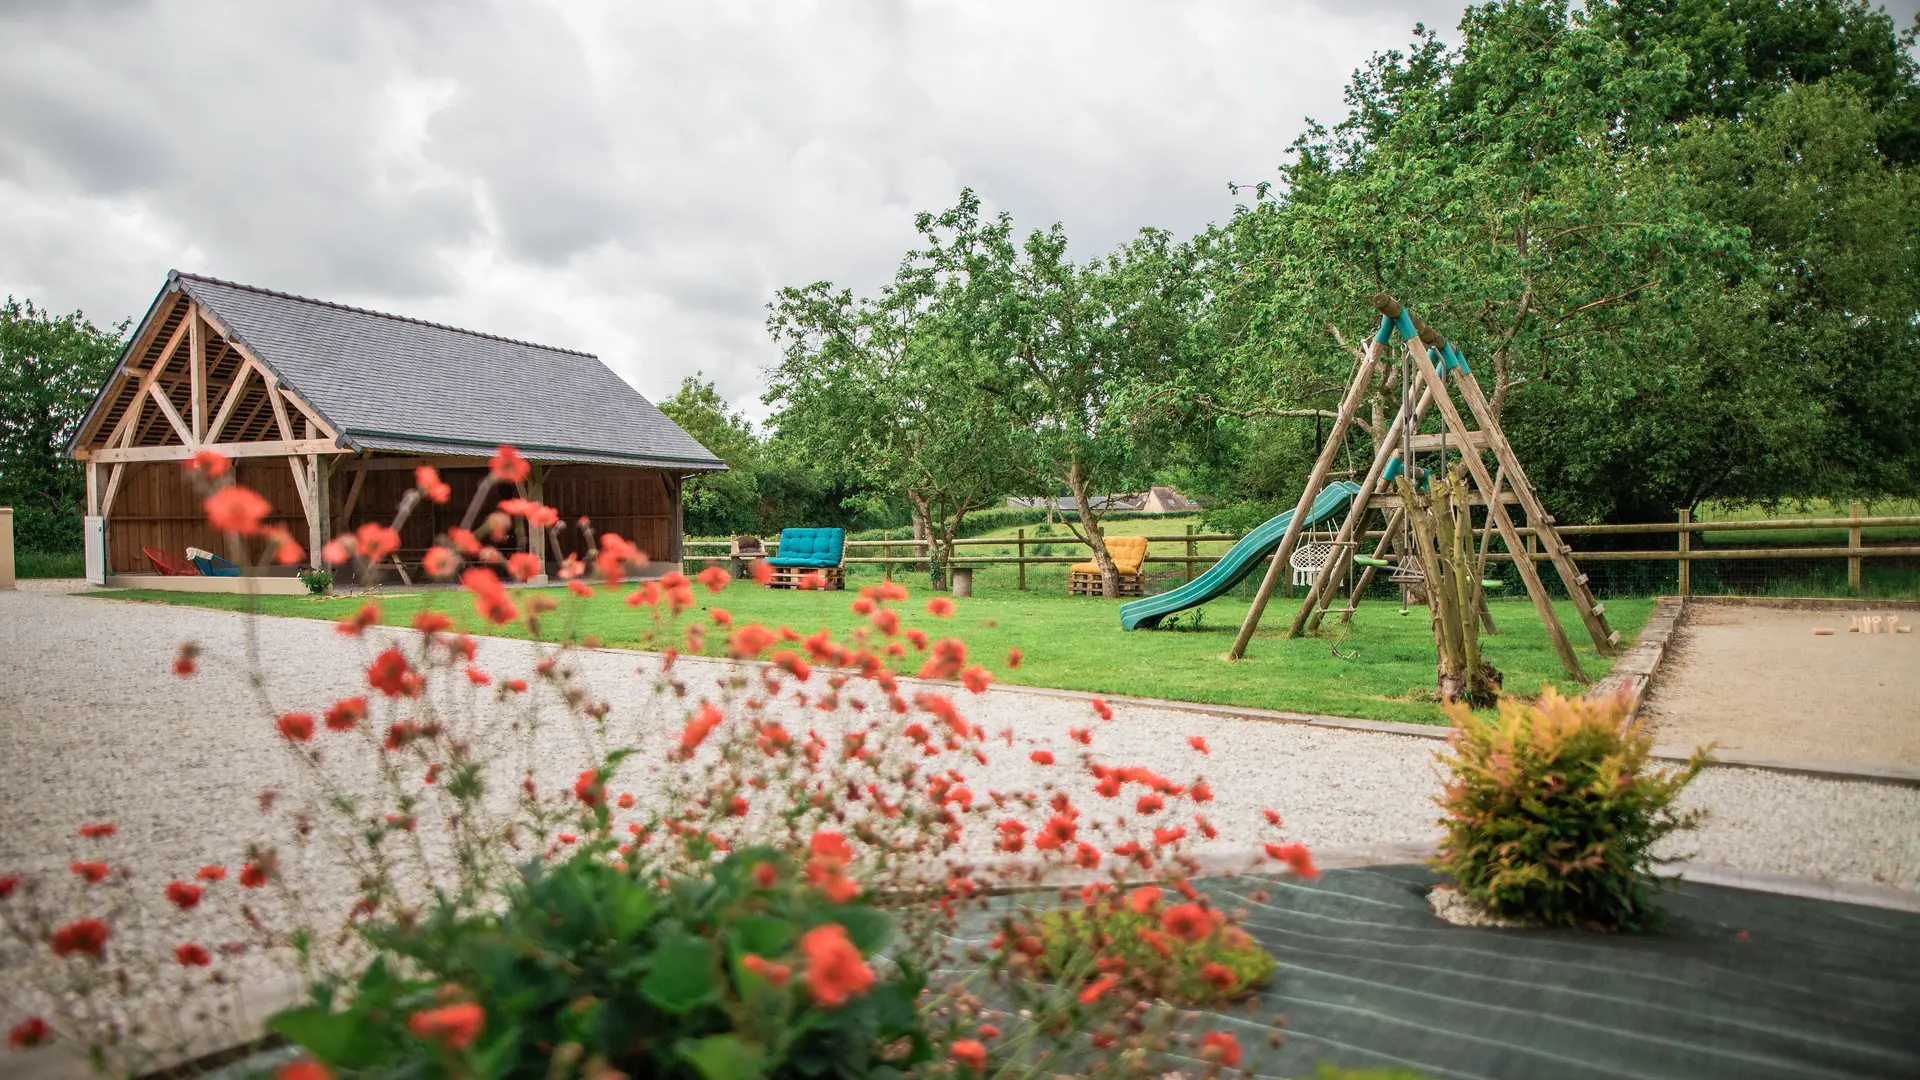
x=1158, y=500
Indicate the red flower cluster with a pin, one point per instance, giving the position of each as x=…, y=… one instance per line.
x=507, y=465
x=699, y=726
x=191, y=955
x=427, y=479
x=236, y=509
x=184, y=895
x=392, y=675
x=297, y=726
x=826, y=867
x=342, y=715
x=836, y=972
x=28, y=1033
x=211, y=462
x=452, y=1026
x=87, y=937
x=93, y=872
x=375, y=541
x=715, y=578
x=489, y=596
x=777, y=974
x=1220, y=1048
x=99, y=831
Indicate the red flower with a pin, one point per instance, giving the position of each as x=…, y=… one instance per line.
x=8, y=884
x=478, y=677
x=1220, y=1048
x=1200, y=791
x=836, y=973
x=354, y=624
x=721, y=617
x=431, y=622
x=184, y=665
x=508, y=465
x=211, y=872
x=970, y=1052
x=1220, y=976
x=1101, y=709
x=376, y=541
x=1013, y=658
x=1042, y=757
x=191, y=955
x=714, y=578
x=236, y=509
x=489, y=595
x=1108, y=786
x=589, y=790
x=977, y=679
x=988, y=1031
x=940, y=606
x=762, y=572
x=28, y=1033
x=440, y=562
x=699, y=726
x=1199, y=742
x=777, y=974
x=1144, y=898
x=1087, y=856
x=304, y=1069
x=1149, y=804
x=1098, y=987
x=335, y=552
x=427, y=479
x=790, y=661
x=918, y=639
x=524, y=565
x=342, y=715
x=286, y=551
x=183, y=894
x=518, y=686
x=98, y=831
x=1273, y=818
x=1083, y=736
x=453, y=1026
x=1188, y=922
x=212, y=462
x=94, y=872
x=1296, y=857
x=252, y=876
x=393, y=676
x=85, y=936
x=296, y=726
x=468, y=544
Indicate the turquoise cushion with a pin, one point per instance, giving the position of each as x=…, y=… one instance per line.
x=818, y=548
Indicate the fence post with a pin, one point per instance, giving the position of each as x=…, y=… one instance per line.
x=1020, y=542
x=1853, y=544
x=1189, y=553
x=1686, y=545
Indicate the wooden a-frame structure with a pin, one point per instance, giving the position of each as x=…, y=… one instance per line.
x=1431, y=358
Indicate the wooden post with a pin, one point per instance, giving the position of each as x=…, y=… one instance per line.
x=1686, y=545
x=537, y=538
x=197, y=373
x=1853, y=544
x=1190, y=560
x=1020, y=545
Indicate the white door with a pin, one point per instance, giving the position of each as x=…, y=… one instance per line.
x=96, y=539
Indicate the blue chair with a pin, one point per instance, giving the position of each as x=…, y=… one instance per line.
x=810, y=551
x=211, y=565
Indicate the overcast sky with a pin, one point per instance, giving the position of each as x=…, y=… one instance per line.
x=634, y=180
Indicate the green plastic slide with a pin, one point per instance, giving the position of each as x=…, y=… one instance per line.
x=1248, y=555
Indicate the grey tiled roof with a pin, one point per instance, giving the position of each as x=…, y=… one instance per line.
x=392, y=383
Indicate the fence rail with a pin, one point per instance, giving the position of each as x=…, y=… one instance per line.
x=1683, y=555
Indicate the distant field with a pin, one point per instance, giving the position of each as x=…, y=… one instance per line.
x=1818, y=508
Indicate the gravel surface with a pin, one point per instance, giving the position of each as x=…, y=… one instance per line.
x=94, y=726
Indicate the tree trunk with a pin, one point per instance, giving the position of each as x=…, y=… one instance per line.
x=1443, y=543
x=923, y=535
x=1090, y=525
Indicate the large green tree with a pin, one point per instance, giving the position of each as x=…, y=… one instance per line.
x=1565, y=200
x=50, y=369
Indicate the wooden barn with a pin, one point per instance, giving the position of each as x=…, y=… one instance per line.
x=327, y=409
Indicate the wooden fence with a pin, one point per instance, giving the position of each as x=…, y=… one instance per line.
x=909, y=553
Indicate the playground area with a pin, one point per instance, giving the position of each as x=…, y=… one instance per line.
x=1760, y=681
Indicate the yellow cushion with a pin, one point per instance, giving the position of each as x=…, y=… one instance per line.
x=1128, y=553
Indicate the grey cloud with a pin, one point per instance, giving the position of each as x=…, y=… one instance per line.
x=635, y=180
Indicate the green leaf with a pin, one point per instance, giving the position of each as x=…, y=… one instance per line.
x=724, y=1057
x=632, y=907
x=764, y=935
x=869, y=928
x=342, y=1040
x=681, y=973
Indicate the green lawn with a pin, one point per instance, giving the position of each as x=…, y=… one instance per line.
x=1076, y=642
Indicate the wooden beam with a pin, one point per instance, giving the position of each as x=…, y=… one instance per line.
x=113, y=488
x=299, y=466
x=1426, y=444
x=93, y=489
x=197, y=373
x=125, y=430
x=317, y=488
x=230, y=401
x=391, y=464
x=267, y=373
x=352, y=499
x=136, y=348
x=173, y=417
x=279, y=448
x=279, y=408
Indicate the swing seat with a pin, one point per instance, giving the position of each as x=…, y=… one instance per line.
x=1307, y=559
x=211, y=565
x=1408, y=572
x=1369, y=560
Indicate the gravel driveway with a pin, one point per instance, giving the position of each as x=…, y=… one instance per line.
x=94, y=726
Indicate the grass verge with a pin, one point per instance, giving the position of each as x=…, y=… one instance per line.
x=1076, y=643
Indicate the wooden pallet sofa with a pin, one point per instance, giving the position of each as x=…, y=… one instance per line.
x=1129, y=557
x=810, y=551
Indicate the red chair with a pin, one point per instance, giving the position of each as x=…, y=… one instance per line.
x=168, y=565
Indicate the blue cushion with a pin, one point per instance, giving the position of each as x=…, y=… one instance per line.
x=816, y=548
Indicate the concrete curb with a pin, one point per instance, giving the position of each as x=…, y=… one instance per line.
x=1808, y=603
x=1837, y=892
x=1635, y=669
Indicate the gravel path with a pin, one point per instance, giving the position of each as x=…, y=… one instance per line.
x=93, y=726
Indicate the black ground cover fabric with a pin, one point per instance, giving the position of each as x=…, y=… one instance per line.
x=1740, y=984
